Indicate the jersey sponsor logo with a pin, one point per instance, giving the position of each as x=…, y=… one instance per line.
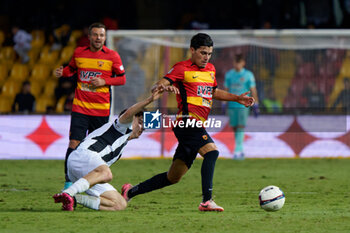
x=88, y=87
x=207, y=103
x=87, y=75
x=205, y=91
x=205, y=137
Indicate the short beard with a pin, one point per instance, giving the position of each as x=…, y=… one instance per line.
x=92, y=45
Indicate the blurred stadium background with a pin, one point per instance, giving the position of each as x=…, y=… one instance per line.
x=298, y=50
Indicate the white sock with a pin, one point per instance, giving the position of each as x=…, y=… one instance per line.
x=88, y=201
x=78, y=186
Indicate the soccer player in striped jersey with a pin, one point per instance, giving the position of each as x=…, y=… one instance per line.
x=97, y=68
x=195, y=79
x=88, y=165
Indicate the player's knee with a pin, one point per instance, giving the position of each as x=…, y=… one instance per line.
x=73, y=143
x=120, y=204
x=107, y=175
x=174, y=179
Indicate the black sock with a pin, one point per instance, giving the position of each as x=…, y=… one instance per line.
x=156, y=182
x=69, y=150
x=207, y=172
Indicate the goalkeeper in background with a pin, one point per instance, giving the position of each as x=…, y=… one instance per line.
x=240, y=80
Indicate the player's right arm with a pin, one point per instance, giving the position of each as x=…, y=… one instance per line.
x=67, y=71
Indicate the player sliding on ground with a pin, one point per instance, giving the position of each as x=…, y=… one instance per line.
x=196, y=81
x=88, y=165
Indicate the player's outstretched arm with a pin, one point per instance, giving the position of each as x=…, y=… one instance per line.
x=128, y=115
x=226, y=96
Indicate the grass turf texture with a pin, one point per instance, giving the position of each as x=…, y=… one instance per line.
x=317, y=198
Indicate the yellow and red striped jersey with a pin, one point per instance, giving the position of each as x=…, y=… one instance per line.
x=106, y=64
x=196, y=87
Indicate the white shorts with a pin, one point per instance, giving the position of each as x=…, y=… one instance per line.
x=80, y=163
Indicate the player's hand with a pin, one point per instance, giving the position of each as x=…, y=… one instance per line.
x=163, y=88
x=156, y=94
x=256, y=110
x=245, y=99
x=98, y=82
x=59, y=72
x=172, y=89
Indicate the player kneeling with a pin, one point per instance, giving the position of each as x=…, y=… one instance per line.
x=88, y=164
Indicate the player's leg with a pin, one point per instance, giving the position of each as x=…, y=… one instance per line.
x=242, y=115
x=182, y=161
x=78, y=127
x=112, y=200
x=177, y=169
x=210, y=154
x=101, y=174
x=180, y=165
x=102, y=197
x=85, y=170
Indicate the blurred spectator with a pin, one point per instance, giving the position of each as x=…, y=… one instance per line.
x=61, y=37
x=269, y=13
x=270, y=103
x=24, y=101
x=111, y=23
x=345, y=8
x=68, y=104
x=319, y=14
x=315, y=99
x=344, y=96
x=291, y=14
x=84, y=39
x=65, y=87
x=22, y=43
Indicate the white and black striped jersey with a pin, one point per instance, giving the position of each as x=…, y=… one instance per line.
x=108, y=141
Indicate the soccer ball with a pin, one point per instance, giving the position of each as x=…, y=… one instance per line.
x=271, y=198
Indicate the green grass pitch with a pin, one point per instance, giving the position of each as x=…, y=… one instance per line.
x=317, y=198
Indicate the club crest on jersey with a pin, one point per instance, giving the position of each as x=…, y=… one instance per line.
x=205, y=137
x=212, y=76
x=100, y=63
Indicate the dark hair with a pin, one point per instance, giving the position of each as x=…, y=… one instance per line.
x=239, y=57
x=139, y=114
x=96, y=25
x=201, y=39
x=25, y=83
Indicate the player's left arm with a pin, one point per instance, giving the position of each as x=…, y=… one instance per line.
x=254, y=94
x=244, y=99
x=128, y=115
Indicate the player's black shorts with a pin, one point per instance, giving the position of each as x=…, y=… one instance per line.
x=190, y=141
x=80, y=124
